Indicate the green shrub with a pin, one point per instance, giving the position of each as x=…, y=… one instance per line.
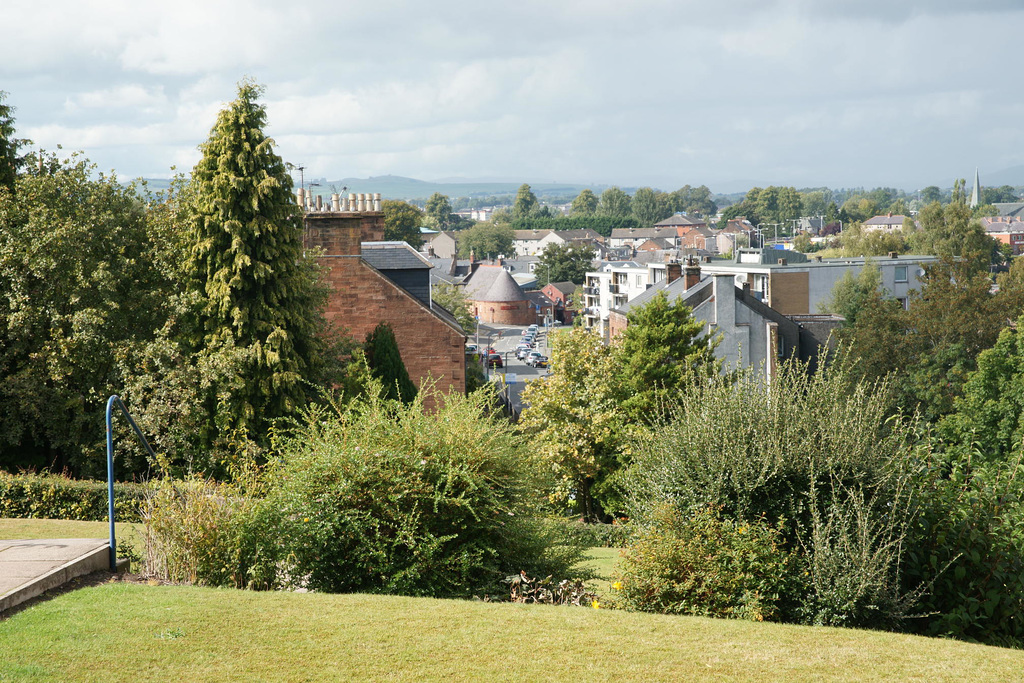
x=707, y=565
x=52, y=496
x=821, y=452
x=854, y=558
x=202, y=532
x=373, y=497
x=382, y=497
x=968, y=549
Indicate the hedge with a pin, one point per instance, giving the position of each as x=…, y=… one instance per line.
x=52, y=496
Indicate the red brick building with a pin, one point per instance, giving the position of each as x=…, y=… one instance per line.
x=495, y=297
x=373, y=281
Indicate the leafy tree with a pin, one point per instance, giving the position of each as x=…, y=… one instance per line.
x=816, y=202
x=386, y=364
x=256, y=289
x=645, y=207
x=660, y=353
x=744, y=209
x=602, y=225
x=950, y=232
x=996, y=195
x=614, y=203
x=80, y=289
x=567, y=262
x=990, y=414
x=859, y=208
x=858, y=242
x=453, y=298
x=526, y=202
x=585, y=204
x=928, y=350
x=691, y=200
x=775, y=204
x=931, y=194
x=10, y=161
x=575, y=419
x=439, y=210
x=402, y=222
x=486, y=240
x=501, y=216
x=802, y=243
x=851, y=292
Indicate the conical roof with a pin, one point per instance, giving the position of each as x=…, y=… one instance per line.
x=504, y=288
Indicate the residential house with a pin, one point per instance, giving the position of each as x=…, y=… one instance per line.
x=699, y=238
x=611, y=286
x=1006, y=229
x=371, y=281
x=751, y=334
x=681, y=220
x=632, y=237
x=534, y=242
x=561, y=294
x=887, y=223
x=440, y=245
x=792, y=284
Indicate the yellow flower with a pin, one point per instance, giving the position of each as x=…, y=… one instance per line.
x=305, y=519
x=595, y=604
x=617, y=585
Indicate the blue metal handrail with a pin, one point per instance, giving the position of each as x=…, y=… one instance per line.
x=115, y=399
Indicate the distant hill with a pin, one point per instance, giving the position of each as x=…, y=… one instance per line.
x=1013, y=176
x=399, y=187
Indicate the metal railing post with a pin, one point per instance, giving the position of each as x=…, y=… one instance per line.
x=115, y=399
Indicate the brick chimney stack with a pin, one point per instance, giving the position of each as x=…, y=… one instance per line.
x=691, y=273
x=673, y=271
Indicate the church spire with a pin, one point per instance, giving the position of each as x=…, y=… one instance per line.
x=976, y=191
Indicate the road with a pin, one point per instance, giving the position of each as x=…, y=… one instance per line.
x=504, y=339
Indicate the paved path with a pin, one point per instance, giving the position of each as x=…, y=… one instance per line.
x=30, y=568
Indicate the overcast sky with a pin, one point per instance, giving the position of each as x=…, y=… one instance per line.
x=729, y=94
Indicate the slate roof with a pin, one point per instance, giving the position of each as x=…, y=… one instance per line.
x=642, y=233
x=530, y=234
x=679, y=220
x=1002, y=224
x=393, y=256
x=885, y=220
x=493, y=283
x=540, y=299
x=1010, y=208
x=564, y=287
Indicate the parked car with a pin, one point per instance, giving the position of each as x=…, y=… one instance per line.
x=536, y=359
x=472, y=349
x=533, y=328
x=494, y=360
x=522, y=350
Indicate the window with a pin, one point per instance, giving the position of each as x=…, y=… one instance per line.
x=901, y=273
x=639, y=280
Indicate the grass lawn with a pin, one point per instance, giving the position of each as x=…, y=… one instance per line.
x=132, y=632
x=603, y=561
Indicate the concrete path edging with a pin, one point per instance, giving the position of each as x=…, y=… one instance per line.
x=31, y=567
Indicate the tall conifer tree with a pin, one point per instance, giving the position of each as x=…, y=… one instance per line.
x=10, y=161
x=386, y=364
x=255, y=289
